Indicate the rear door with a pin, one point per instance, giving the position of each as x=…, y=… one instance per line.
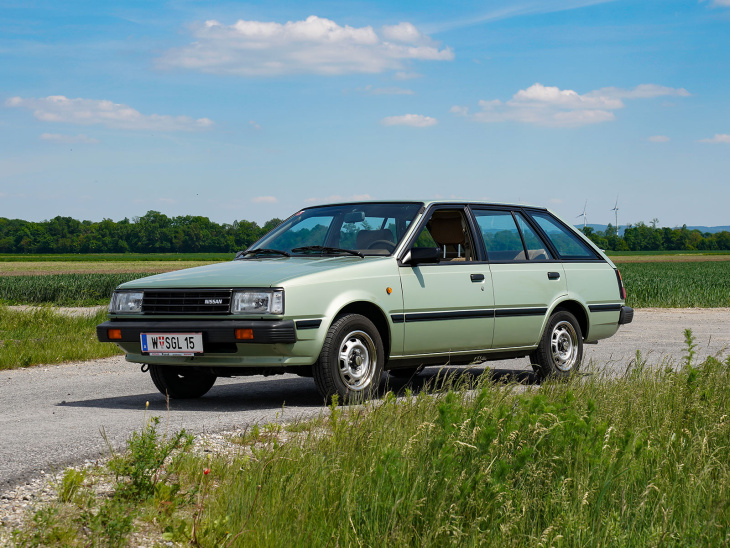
x=526, y=277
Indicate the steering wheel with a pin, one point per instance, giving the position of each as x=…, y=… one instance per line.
x=389, y=246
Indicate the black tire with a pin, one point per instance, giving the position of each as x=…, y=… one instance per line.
x=560, y=351
x=405, y=372
x=351, y=362
x=181, y=383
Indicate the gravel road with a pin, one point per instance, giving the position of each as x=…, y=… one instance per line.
x=51, y=416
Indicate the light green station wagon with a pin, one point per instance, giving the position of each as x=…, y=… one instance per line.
x=344, y=292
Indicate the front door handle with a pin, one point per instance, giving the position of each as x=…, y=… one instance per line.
x=553, y=275
x=477, y=277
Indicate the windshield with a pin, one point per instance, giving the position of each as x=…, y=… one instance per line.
x=367, y=229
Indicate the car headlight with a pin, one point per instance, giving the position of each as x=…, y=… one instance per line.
x=254, y=301
x=126, y=302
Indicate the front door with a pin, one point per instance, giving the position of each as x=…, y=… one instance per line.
x=447, y=307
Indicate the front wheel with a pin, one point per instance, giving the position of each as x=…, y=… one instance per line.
x=351, y=362
x=560, y=351
x=181, y=382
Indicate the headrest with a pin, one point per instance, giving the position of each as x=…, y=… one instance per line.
x=367, y=237
x=446, y=228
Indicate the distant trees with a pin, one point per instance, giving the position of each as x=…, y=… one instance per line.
x=154, y=232
x=642, y=237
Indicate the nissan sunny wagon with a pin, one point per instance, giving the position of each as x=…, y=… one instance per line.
x=347, y=291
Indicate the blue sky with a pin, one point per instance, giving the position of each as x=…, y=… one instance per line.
x=251, y=110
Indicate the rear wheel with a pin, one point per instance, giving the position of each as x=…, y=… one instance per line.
x=351, y=361
x=181, y=382
x=560, y=351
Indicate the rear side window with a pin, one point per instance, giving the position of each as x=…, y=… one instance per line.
x=568, y=244
x=505, y=241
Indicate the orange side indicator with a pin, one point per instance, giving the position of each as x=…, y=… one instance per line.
x=114, y=334
x=244, y=334
x=389, y=290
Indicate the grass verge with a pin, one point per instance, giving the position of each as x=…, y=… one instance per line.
x=42, y=336
x=636, y=461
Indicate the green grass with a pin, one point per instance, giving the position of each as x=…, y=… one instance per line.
x=115, y=257
x=641, y=460
x=677, y=285
x=42, y=336
x=62, y=289
x=665, y=252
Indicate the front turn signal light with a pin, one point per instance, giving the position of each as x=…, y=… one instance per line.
x=244, y=334
x=114, y=334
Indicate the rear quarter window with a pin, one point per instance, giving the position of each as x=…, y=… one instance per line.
x=568, y=244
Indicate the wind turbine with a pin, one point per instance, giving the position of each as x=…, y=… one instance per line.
x=585, y=217
x=615, y=210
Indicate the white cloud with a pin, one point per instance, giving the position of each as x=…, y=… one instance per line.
x=552, y=106
x=265, y=200
x=659, y=139
x=717, y=139
x=68, y=139
x=313, y=46
x=402, y=75
x=413, y=120
x=254, y=125
x=86, y=112
x=720, y=3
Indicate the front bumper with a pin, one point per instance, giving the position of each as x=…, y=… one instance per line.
x=214, y=331
x=626, y=315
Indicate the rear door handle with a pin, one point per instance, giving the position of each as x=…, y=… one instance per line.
x=477, y=277
x=553, y=275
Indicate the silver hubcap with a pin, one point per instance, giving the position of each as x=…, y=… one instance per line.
x=564, y=346
x=357, y=359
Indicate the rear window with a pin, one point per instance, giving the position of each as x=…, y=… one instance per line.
x=568, y=244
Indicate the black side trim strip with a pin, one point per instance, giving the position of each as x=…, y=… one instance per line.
x=308, y=324
x=604, y=307
x=511, y=312
x=437, y=316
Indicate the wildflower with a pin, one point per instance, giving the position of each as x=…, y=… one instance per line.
x=206, y=471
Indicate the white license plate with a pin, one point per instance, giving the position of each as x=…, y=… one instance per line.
x=172, y=344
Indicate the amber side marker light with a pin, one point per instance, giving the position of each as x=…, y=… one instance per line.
x=244, y=334
x=114, y=334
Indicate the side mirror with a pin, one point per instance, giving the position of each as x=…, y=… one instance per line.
x=423, y=255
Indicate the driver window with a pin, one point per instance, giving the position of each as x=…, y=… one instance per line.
x=448, y=230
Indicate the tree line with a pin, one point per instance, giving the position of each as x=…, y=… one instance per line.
x=155, y=232
x=643, y=237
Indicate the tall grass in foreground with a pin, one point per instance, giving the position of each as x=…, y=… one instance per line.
x=62, y=289
x=676, y=285
x=41, y=335
x=638, y=461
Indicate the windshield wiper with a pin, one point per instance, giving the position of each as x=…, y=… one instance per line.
x=325, y=249
x=261, y=250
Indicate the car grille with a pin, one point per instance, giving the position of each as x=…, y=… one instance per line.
x=187, y=302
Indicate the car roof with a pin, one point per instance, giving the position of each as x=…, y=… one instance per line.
x=428, y=203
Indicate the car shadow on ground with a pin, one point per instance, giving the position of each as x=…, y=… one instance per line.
x=260, y=393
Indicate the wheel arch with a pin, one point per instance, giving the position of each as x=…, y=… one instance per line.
x=375, y=314
x=578, y=310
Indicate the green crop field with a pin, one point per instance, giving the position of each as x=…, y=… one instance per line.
x=677, y=285
x=62, y=289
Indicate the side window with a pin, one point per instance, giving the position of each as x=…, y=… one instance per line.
x=500, y=234
x=569, y=245
x=535, y=247
x=449, y=230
